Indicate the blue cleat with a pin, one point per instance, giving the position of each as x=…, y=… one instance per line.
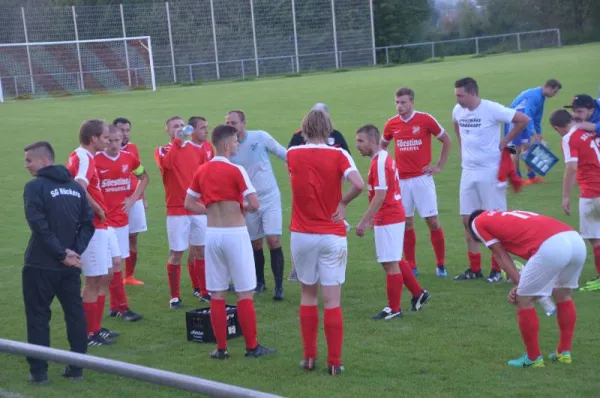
x=415, y=271
x=441, y=271
x=525, y=362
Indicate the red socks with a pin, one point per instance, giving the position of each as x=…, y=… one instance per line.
x=439, y=245
x=118, y=297
x=218, y=320
x=566, y=315
x=130, y=263
x=475, y=262
x=200, y=271
x=597, y=258
x=174, y=274
x=309, y=326
x=99, y=314
x=191, y=265
x=247, y=316
x=89, y=309
x=410, y=247
x=409, y=278
x=334, y=334
x=529, y=325
x=394, y=291
x=495, y=266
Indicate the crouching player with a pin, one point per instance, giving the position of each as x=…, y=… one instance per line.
x=555, y=255
x=222, y=186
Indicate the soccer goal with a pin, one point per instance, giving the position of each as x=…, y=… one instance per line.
x=46, y=69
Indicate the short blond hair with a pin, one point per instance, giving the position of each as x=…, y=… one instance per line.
x=317, y=125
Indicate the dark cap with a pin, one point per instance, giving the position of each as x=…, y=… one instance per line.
x=582, y=101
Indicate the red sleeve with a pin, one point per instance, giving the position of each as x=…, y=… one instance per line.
x=570, y=148
x=379, y=174
x=388, y=134
x=345, y=163
x=434, y=127
x=481, y=227
x=171, y=154
x=243, y=182
x=135, y=162
x=194, y=188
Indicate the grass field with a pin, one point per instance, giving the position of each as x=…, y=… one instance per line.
x=457, y=346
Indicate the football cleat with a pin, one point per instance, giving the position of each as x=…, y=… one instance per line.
x=419, y=301
x=197, y=292
x=387, y=314
x=130, y=280
x=468, y=274
x=308, y=364
x=41, y=378
x=205, y=298
x=278, y=294
x=525, y=362
x=441, y=271
x=259, y=351
x=495, y=276
x=107, y=334
x=97, y=340
x=260, y=288
x=563, y=357
x=335, y=370
x=219, y=354
x=175, y=303
x=72, y=373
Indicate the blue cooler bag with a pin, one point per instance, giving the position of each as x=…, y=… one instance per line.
x=539, y=158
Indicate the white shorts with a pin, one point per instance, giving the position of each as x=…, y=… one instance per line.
x=229, y=256
x=389, y=242
x=557, y=264
x=113, y=243
x=266, y=221
x=96, y=257
x=137, y=218
x=589, y=218
x=419, y=192
x=186, y=230
x=479, y=190
x=319, y=258
x=121, y=234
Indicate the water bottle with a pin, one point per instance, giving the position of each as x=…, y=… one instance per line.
x=186, y=131
x=548, y=305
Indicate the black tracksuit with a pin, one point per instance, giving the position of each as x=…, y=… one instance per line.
x=335, y=139
x=60, y=218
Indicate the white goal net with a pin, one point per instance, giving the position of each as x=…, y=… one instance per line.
x=45, y=69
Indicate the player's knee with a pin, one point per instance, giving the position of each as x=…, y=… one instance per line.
x=595, y=242
x=525, y=302
x=331, y=296
x=562, y=295
x=244, y=295
x=197, y=252
x=257, y=244
x=133, y=239
x=116, y=264
x=175, y=257
x=409, y=223
x=433, y=222
x=274, y=242
x=391, y=268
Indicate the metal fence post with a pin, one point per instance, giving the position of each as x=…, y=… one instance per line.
x=387, y=56
x=28, y=52
x=477, y=45
x=335, y=43
x=295, y=36
x=171, y=43
x=432, y=50
x=214, y=32
x=125, y=42
x=558, y=36
x=254, y=36
x=518, y=42
x=77, y=45
x=373, y=32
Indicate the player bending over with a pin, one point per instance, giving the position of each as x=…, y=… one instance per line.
x=412, y=131
x=582, y=156
x=318, y=234
x=222, y=187
x=586, y=111
x=555, y=255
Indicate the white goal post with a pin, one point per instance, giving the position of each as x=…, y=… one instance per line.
x=45, y=69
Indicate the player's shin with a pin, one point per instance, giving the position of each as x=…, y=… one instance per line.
x=259, y=263
x=247, y=315
x=567, y=318
x=200, y=270
x=529, y=326
x=277, y=263
x=394, y=290
x=174, y=275
x=309, y=326
x=191, y=265
x=439, y=245
x=218, y=320
x=410, y=247
x=409, y=278
x=334, y=335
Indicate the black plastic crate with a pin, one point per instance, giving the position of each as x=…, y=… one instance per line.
x=199, y=328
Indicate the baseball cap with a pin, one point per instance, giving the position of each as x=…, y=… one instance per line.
x=582, y=101
x=320, y=107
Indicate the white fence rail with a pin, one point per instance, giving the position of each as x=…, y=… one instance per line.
x=160, y=377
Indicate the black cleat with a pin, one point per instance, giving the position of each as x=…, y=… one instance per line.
x=97, y=340
x=72, y=372
x=41, y=378
x=129, y=315
x=260, y=288
x=387, y=314
x=219, y=354
x=495, y=276
x=309, y=364
x=278, y=294
x=335, y=370
x=205, y=298
x=175, y=303
x=468, y=274
x=419, y=301
x=197, y=292
x=107, y=334
x=259, y=351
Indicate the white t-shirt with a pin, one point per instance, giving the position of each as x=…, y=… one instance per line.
x=480, y=131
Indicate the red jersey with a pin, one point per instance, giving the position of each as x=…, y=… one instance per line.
x=81, y=165
x=133, y=149
x=383, y=175
x=520, y=232
x=583, y=148
x=219, y=181
x=178, y=161
x=115, y=174
x=316, y=173
x=413, y=141
x=208, y=150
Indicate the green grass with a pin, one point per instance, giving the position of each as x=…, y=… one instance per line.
x=457, y=346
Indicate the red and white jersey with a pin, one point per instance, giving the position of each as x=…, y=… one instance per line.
x=208, y=150
x=413, y=141
x=178, y=161
x=115, y=174
x=383, y=175
x=316, y=173
x=583, y=148
x=520, y=232
x=220, y=181
x=81, y=165
x=133, y=149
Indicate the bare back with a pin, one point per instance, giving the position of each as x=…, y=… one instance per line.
x=225, y=214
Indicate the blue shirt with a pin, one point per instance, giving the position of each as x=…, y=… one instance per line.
x=596, y=117
x=531, y=102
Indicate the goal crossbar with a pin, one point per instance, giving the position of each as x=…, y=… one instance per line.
x=50, y=43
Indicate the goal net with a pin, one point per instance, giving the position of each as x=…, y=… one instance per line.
x=45, y=69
